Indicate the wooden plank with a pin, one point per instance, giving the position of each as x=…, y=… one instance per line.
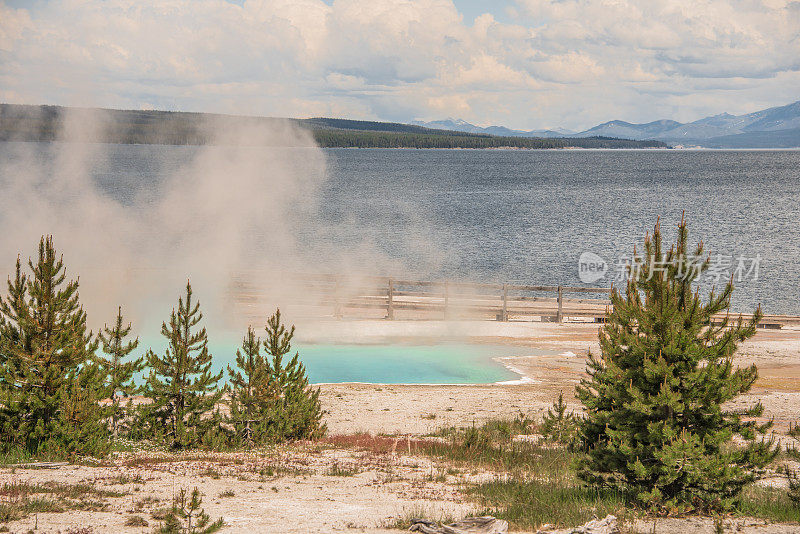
x=566, y=289
x=533, y=288
x=560, y=314
x=38, y=465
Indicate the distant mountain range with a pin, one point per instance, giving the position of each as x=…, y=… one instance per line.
x=777, y=127
x=45, y=123
x=463, y=126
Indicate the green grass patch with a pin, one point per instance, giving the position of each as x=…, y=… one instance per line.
x=530, y=504
x=21, y=499
x=497, y=429
x=489, y=449
x=136, y=521
x=339, y=470
x=20, y=455
x=124, y=480
x=417, y=512
x=541, y=485
x=67, y=491
x=544, y=489
x=20, y=509
x=769, y=503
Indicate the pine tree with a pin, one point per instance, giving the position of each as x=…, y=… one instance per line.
x=793, y=475
x=119, y=372
x=655, y=426
x=297, y=409
x=181, y=386
x=50, y=380
x=272, y=401
x=186, y=516
x=559, y=425
x=250, y=391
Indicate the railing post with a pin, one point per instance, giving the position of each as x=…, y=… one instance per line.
x=390, y=303
x=560, y=314
x=504, y=315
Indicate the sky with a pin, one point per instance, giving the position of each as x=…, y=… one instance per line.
x=525, y=64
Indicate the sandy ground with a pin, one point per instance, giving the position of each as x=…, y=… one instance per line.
x=305, y=489
x=315, y=488
x=421, y=409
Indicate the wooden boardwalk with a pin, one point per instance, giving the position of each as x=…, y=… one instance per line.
x=383, y=297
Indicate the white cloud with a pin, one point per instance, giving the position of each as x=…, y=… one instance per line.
x=570, y=63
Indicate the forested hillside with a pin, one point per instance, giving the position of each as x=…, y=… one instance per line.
x=43, y=123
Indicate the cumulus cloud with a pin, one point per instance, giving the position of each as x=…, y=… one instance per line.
x=548, y=63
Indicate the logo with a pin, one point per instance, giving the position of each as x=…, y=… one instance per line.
x=591, y=267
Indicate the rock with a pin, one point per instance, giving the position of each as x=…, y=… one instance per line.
x=471, y=525
x=607, y=525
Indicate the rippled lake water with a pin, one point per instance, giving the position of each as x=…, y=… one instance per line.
x=526, y=216
x=520, y=216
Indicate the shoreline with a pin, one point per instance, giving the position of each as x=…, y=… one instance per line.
x=416, y=409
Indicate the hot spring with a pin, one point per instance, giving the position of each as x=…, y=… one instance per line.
x=391, y=363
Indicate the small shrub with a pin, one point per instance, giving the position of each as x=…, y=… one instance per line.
x=558, y=426
x=337, y=470
x=136, y=521
x=793, y=475
x=186, y=516
x=476, y=439
x=794, y=430
x=160, y=514
x=210, y=472
x=416, y=513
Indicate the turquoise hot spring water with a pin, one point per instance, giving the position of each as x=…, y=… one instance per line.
x=394, y=363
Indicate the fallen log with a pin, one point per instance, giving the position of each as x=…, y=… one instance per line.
x=38, y=465
x=607, y=525
x=470, y=525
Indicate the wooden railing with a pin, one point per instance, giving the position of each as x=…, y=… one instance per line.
x=450, y=298
x=391, y=297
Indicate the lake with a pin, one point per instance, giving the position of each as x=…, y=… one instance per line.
x=522, y=216
x=526, y=216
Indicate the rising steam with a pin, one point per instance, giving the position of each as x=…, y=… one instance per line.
x=238, y=213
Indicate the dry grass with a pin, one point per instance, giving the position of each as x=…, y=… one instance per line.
x=379, y=444
x=21, y=499
x=136, y=521
x=537, y=483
